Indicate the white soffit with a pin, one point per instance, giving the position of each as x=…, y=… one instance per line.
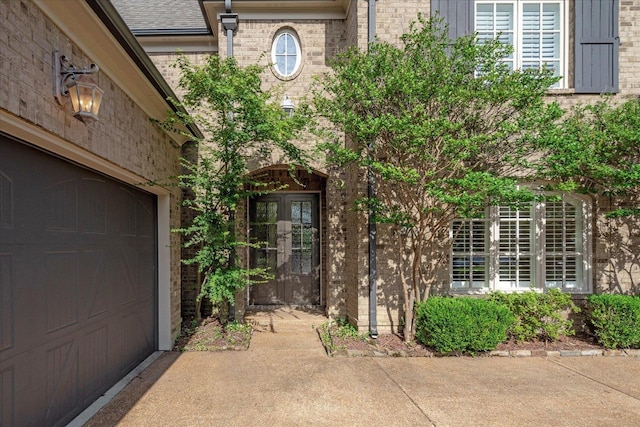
x=277, y=10
x=170, y=44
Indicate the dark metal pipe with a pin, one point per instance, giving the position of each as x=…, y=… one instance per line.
x=229, y=43
x=371, y=193
x=230, y=24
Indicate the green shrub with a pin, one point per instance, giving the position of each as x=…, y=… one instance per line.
x=462, y=324
x=538, y=315
x=615, y=320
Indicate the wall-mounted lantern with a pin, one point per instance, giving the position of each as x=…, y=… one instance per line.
x=287, y=106
x=73, y=82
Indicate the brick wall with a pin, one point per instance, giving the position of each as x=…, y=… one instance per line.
x=615, y=266
x=123, y=135
x=346, y=230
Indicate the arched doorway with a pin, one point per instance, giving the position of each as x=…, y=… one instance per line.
x=288, y=226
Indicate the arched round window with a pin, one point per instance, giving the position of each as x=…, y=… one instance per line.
x=285, y=53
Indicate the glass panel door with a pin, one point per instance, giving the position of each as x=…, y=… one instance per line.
x=286, y=229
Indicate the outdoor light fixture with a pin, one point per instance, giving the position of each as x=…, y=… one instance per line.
x=287, y=106
x=68, y=80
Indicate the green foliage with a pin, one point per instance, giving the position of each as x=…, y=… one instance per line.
x=338, y=330
x=344, y=329
x=538, y=315
x=615, y=320
x=445, y=128
x=240, y=121
x=597, y=150
x=462, y=324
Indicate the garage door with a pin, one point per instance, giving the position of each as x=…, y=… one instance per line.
x=77, y=284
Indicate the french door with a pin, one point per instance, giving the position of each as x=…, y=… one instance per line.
x=285, y=226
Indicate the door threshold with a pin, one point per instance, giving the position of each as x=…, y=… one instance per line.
x=274, y=307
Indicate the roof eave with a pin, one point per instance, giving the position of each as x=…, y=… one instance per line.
x=99, y=31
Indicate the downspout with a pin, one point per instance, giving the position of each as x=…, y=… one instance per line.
x=230, y=25
x=371, y=193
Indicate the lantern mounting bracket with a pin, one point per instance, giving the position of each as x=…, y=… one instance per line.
x=65, y=75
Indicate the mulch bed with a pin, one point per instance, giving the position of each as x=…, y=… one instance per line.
x=393, y=345
x=209, y=334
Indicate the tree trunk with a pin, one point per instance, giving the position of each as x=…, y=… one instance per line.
x=198, y=302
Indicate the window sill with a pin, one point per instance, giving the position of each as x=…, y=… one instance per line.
x=481, y=292
x=561, y=92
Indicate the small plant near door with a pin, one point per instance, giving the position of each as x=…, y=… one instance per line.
x=211, y=335
x=240, y=121
x=337, y=333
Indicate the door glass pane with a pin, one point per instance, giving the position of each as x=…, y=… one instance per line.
x=306, y=212
x=295, y=212
x=301, y=237
x=265, y=232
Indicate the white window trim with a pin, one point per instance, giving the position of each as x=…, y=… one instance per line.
x=297, y=65
x=564, y=33
x=538, y=252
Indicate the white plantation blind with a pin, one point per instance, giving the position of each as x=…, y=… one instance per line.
x=497, y=20
x=541, y=36
x=562, y=245
x=533, y=28
x=514, y=248
x=470, y=254
x=542, y=245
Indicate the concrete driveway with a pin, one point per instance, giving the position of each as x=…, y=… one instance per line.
x=286, y=379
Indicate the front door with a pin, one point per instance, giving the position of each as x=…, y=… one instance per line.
x=286, y=228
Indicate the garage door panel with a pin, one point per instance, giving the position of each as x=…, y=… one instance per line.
x=7, y=314
x=144, y=219
x=61, y=278
x=61, y=206
x=93, y=272
x=7, y=397
x=62, y=380
x=93, y=196
x=6, y=201
x=77, y=284
x=124, y=274
x=126, y=213
x=94, y=362
x=135, y=336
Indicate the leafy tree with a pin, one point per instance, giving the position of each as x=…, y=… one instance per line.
x=596, y=149
x=446, y=129
x=240, y=121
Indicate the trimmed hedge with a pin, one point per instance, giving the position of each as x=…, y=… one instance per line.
x=538, y=315
x=615, y=320
x=462, y=324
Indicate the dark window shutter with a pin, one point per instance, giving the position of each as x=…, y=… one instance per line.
x=457, y=13
x=596, y=61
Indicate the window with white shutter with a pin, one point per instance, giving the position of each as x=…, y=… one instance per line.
x=544, y=245
x=535, y=29
x=470, y=255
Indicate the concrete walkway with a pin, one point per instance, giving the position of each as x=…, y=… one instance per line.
x=286, y=379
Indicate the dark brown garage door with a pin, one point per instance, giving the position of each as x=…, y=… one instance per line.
x=77, y=284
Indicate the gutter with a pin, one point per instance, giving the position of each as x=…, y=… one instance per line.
x=171, y=32
x=110, y=17
x=371, y=192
